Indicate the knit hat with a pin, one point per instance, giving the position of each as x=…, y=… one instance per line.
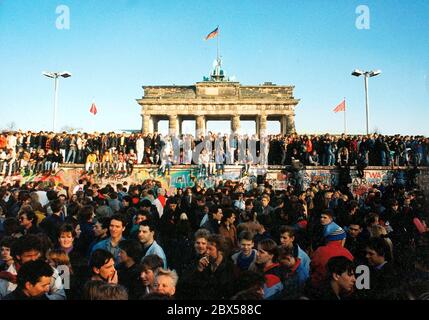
x=334, y=232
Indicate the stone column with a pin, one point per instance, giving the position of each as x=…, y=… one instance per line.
x=151, y=125
x=283, y=124
x=201, y=126
x=290, y=123
x=179, y=124
x=235, y=124
x=155, y=124
x=146, y=123
x=257, y=125
x=172, y=124
x=262, y=125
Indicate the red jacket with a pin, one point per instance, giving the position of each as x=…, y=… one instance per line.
x=309, y=146
x=354, y=145
x=321, y=257
x=3, y=142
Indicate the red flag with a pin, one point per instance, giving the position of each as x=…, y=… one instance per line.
x=213, y=34
x=93, y=109
x=341, y=107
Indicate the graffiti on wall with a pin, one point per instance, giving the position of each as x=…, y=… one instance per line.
x=248, y=182
x=233, y=175
x=360, y=185
x=181, y=178
x=327, y=177
x=279, y=180
x=66, y=177
x=189, y=177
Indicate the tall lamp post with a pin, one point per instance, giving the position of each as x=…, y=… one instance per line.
x=55, y=76
x=366, y=74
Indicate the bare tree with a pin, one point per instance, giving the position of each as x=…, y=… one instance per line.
x=376, y=130
x=10, y=126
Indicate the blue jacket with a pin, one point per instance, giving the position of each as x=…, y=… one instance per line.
x=155, y=248
x=304, y=268
x=273, y=286
x=292, y=281
x=107, y=245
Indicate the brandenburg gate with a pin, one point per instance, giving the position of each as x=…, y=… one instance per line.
x=218, y=99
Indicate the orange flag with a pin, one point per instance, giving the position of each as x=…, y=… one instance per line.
x=213, y=34
x=93, y=109
x=341, y=107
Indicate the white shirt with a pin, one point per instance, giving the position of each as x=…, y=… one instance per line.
x=159, y=206
x=11, y=142
x=140, y=144
x=80, y=143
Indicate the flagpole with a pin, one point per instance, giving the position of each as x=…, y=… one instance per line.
x=218, y=40
x=93, y=115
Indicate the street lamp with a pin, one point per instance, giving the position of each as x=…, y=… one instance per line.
x=366, y=74
x=55, y=76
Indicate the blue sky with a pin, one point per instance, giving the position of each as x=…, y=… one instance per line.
x=115, y=47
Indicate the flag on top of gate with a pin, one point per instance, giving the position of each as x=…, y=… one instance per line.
x=213, y=34
x=93, y=109
x=341, y=107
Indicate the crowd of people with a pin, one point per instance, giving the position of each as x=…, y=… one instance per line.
x=136, y=242
x=111, y=153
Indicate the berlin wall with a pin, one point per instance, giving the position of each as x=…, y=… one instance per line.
x=278, y=177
